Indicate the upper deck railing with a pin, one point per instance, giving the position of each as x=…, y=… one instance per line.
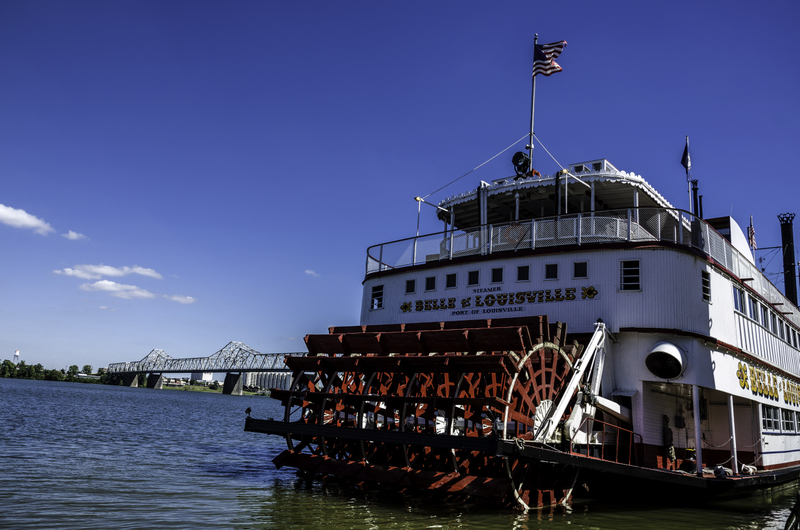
x=608, y=226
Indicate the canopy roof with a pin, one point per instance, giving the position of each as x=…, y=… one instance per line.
x=544, y=197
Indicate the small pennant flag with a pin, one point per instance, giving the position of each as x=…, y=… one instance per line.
x=686, y=160
x=543, y=55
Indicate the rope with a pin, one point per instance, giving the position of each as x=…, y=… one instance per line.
x=757, y=442
x=478, y=167
x=756, y=460
x=718, y=446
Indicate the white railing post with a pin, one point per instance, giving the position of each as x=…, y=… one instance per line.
x=414, y=257
x=491, y=238
x=533, y=233
x=452, y=241
x=658, y=225
x=579, y=229
x=629, y=225
x=380, y=259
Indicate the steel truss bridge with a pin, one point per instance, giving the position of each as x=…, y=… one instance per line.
x=234, y=357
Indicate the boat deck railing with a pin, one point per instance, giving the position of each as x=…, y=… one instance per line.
x=637, y=225
x=604, y=441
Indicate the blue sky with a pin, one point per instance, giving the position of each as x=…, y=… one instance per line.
x=177, y=175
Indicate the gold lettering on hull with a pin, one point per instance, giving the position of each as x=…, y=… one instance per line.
x=768, y=385
x=501, y=299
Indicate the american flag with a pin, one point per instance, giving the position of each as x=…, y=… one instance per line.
x=751, y=235
x=543, y=55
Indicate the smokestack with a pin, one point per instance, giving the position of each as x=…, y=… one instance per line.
x=696, y=211
x=787, y=242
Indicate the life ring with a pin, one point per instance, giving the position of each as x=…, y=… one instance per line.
x=514, y=232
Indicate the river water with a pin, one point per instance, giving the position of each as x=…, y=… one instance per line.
x=91, y=456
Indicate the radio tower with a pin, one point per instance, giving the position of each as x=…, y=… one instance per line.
x=16, y=357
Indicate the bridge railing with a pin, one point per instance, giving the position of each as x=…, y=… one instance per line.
x=260, y=362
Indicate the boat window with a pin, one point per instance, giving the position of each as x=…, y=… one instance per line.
x=769, y=418
x=551, y=271
x=497, y=275
x=737, y=300
x=788, y=420
x=580, y=269
x=764, y=317
x=450, y=281
x=706, y=279
x=430, y=283
x=753, y=308
x=780, y=328
x=523, y=273
x=411, y=286
x=629, y=275
x=794, y=338
x=473, y=277
x=774, y=323
x=377, y=297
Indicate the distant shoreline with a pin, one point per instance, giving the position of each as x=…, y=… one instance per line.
x=201, y=388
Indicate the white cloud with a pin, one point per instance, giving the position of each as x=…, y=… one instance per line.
x=106, y=308
x=312, y=273
x=22, y=219
x=95, y=272
x=181, y=299
x=74, y=235
x=119, y=290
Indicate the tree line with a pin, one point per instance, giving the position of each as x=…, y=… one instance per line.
x=37, y=371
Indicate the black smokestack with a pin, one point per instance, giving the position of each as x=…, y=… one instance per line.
x=787, y=242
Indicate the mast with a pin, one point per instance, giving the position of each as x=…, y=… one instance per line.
x=533, y=106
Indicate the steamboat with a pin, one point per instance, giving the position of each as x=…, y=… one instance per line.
x=680, y=376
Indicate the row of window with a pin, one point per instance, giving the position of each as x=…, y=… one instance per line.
x=778, y=420
x=760, y=314
x=579, y=270
x=629, y=279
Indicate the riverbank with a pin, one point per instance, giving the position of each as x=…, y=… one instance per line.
x=201, y=388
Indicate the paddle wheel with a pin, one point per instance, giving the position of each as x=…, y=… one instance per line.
x=424, y=406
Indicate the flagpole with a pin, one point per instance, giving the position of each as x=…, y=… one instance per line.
x=533, y=106
x=687, y=163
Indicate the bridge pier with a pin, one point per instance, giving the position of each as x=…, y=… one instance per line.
x=233, y=384
x=280, y=380
x=131, y=380
x=155, y=381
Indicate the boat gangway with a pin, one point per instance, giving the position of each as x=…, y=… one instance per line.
x=235, y=359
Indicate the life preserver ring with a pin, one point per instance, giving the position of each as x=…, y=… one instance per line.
x=514, y=233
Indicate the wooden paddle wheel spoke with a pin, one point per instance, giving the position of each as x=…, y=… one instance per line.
x=383, y=415
x=338, y=412
x=478, y=420
x=299, y=408
x=428, y=417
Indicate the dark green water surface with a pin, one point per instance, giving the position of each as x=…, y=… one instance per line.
x=92, y=456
